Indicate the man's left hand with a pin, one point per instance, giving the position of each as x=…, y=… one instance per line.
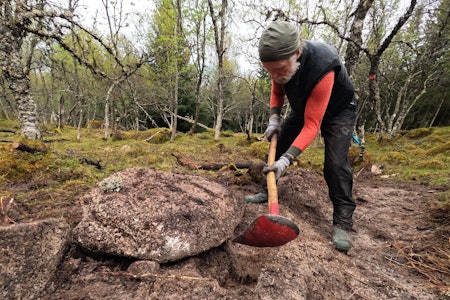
x=279, y=166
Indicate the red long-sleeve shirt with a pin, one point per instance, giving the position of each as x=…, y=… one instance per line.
x=314, y=111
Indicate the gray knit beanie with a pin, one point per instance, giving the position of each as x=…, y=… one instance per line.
x=278, y=41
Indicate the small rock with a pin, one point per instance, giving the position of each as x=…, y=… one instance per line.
x=142, y=267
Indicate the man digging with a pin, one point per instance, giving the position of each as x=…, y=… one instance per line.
x=321, y=95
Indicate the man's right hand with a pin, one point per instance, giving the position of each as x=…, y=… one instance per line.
x=273, y=127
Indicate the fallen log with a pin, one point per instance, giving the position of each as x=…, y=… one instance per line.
x=185, y=162
x=150, y=138
x=26, y=148
x=7, y=130
x=86, y=160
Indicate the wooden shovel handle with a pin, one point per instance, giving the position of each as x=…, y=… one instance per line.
x=271, y=179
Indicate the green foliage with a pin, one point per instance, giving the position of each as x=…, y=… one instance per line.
x=168, y=47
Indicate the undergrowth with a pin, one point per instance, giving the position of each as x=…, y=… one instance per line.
x=420, y=155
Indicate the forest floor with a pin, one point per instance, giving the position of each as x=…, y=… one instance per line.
x=393, y=237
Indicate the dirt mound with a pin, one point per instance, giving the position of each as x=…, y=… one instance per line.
x=391, y=222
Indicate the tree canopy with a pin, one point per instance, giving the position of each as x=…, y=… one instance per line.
x=179, y=64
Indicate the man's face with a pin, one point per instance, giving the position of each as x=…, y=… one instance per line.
x=282, y=71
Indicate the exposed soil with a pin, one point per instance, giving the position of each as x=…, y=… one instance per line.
x=394, y=232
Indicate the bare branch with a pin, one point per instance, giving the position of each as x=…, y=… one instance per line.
x=396, y=28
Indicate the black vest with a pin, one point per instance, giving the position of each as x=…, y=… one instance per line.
x=316, y=60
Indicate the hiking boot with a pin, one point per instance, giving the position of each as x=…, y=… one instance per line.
x=341, y=239
x=257, y=198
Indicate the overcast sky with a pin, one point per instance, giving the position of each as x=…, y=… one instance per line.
x=94, y=10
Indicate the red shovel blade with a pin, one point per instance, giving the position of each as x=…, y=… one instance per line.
x=269, y=231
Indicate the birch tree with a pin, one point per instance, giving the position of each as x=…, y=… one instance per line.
x=219, y=20
x=375, y=46
x=200, y=36
x=14, y=17
x=171, y=57
x=374, y=57
x=40, y=19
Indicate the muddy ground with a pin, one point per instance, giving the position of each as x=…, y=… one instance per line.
x=394, y=255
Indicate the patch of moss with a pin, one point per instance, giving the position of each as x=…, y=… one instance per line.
x=439, y=138
x=137, y=135
x=133, y=151
x=418, y=151
x=310, y=164
x=396, y=158
x=74, y=184
x=259, y=149
x=205, y=136
x=444, y=148
x=17, y=166
x=227, y=133
x=355, y=159
x=431, y=163
x=245, y=142
x=442, y=202
x=154, y=135
x=161, y=136
x=411, y=147
x=419, y=133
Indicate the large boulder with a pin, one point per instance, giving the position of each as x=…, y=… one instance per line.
x=29, y=256
x=152, y=215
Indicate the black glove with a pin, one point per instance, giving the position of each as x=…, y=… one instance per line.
x=273, y=127
x=279, y=166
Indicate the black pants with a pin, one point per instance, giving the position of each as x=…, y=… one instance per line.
x=337, y=132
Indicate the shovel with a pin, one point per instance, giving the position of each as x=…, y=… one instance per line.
x=270, y=230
